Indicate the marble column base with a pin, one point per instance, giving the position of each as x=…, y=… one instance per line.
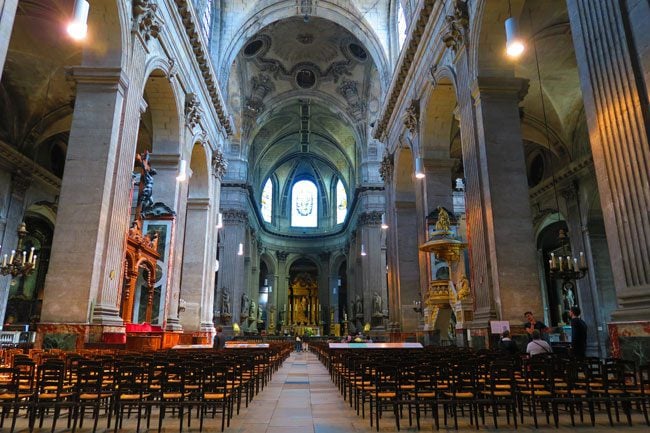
x=107, y=315
x=173, y=324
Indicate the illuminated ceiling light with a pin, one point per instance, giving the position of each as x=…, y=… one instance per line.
x=383, y=221
x=78, y=27
x=182, y=171
x=419, y=168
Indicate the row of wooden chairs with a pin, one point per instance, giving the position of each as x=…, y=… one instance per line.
x=207, y=382
x=458, y=380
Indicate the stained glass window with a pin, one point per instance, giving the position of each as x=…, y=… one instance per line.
x=341, y=202
x=206, y=21
x=267, y=201
x=304, y=204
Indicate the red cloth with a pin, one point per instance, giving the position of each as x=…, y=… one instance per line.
x=138, y=327
x=113, y=338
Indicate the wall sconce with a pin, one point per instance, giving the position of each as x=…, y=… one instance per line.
x=240, y=251
x=384, y=225
x=220, y=221
x=419, y=168
x=417, y=306
x=182, y=171
x=363, y=250
x=78, y=27
x=216, y=265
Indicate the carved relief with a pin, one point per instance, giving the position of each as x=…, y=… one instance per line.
x=234, y=216
x=356, y=105
x=456, y=26
x=412, y=116
x=372, y=218
x=193, y=111
x=146, y=19
x=219, y=164
x=386, y=167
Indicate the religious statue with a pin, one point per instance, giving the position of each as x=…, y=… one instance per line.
x=444, y=223
x=463, y=288
x=568, y=297
x=225, y=303
x=358, y=306
x=259, y=314
x=245, y=305
x=146, y=181
x=271, y=315
x=252, y=313
x=303, y=307
x=376, y=305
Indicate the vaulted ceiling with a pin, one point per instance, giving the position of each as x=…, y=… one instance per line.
x=303, y=90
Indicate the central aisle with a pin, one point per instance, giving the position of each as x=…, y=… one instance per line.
x=301, y=398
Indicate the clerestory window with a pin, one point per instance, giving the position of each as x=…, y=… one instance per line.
x=341, y=202
x=304, y=204
x=266, y=202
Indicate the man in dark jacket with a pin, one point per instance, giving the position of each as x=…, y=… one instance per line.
x=578, y=333
x=507, y=344
x=219, y=341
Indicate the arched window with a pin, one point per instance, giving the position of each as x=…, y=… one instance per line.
x=401, y=25
x=341, y=202
x=304, y=204
x=266, y=203
x=206, y=20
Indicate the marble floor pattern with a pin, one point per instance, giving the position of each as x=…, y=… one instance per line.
x=301, y=398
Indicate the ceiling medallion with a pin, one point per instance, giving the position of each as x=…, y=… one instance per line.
x=305, y=78
x=305, y=38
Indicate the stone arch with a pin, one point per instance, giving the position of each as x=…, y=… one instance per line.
x=271, y=263
x=164, y=108
x=487, y=38
x=267, y=12
x=109, y=32
x=437, y=118
x=199, y=182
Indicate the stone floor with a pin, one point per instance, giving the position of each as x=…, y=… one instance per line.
x=302, y=399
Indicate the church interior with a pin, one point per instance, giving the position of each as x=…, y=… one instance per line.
x=411, y=170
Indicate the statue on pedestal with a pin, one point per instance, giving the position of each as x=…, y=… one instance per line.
x=377, y=304
x=245, y=305
x=358, y=306
x=225, y=303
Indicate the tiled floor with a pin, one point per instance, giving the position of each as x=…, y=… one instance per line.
x=302, y=399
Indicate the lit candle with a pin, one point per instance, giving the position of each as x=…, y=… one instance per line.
x=568, y=263
x=24, y=257
x=4, y=261
x=31, y=255
x=575, y=264
x=553, y=264
x=583, y=261
x=34, y=260
x=13, y=253
x=550, y=263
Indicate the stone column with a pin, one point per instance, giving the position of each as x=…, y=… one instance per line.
x=7, y=15
x=617, y=117
x=13, y=216
x=437, y=183
x=231, y=275
x=92, y=220
x=195, y=263
x=282, y=287
x=587, y=297
x=372, y=273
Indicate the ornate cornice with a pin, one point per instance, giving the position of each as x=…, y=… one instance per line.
x=282, y=255
x=146, y=20
x=203, y=59
x=403, y=67
x=372, y=218
x=193, y=111
x=233, y=216
x=386, y=168
x=455, y=32
x=10, y=159
x=219, y=164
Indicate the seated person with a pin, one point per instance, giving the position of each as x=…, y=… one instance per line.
x=538, y=346
x=507, y=344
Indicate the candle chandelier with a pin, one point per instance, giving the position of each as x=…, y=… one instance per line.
x=20, y=262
